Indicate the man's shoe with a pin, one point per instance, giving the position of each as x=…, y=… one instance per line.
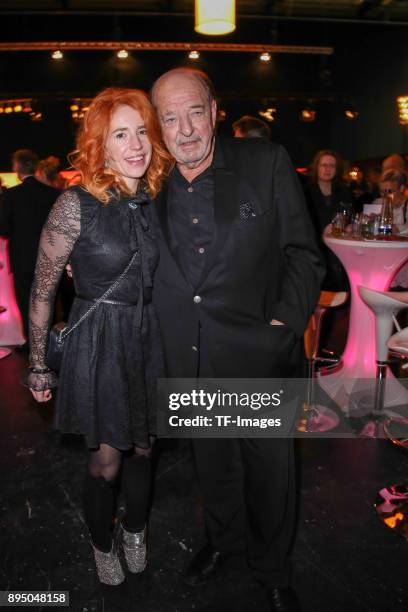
x=282, y=600
x=205, y=565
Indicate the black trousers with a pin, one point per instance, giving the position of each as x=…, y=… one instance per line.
x=248, y=487
x=249, y=492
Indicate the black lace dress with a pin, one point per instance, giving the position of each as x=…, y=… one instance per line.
x=112, y=360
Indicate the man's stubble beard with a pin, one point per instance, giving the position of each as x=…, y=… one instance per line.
x=192, y=164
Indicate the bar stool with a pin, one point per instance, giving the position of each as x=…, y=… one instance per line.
x=316, y=418
x=4, y=352
x=385, y=305
x=396, y=429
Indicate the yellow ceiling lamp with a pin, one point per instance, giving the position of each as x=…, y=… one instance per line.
x=214, y=17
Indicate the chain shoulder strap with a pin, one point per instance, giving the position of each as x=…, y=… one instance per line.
x=65, y=332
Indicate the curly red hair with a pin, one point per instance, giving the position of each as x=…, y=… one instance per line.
x=89, y=156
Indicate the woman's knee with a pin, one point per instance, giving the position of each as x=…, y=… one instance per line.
x=104, y=465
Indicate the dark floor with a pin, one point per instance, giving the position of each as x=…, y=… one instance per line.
x=345, y=559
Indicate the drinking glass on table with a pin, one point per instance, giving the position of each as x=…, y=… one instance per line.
x=357, y=225
x=338, y=224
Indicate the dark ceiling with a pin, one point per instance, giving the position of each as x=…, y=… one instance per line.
x=375, y=9
x=382, y=10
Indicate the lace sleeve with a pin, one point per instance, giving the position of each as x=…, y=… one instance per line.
x=58, y=238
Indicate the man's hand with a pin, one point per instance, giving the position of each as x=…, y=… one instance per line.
x=68, y=269
x=276, y=322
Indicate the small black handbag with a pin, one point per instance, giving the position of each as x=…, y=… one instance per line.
x=60, y=331
x=55, y=346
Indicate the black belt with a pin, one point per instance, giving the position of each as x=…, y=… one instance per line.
x=147, y=298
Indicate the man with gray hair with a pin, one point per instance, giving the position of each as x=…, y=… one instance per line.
x=238, y=279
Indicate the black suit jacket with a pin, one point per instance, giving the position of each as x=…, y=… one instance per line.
x=23, y=212
x=261, y=266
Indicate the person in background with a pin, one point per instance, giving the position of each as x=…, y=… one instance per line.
x=23, y=212
x=395, y=182
x=328, y=194
x=326, y=191
x=394, y=162
x=251, y=127
x=48, y=172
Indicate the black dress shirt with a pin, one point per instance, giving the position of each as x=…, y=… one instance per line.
x=191, y=220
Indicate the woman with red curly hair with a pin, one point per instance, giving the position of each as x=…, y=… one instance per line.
x=112, y=359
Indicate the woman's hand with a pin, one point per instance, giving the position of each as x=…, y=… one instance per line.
x=42, y=396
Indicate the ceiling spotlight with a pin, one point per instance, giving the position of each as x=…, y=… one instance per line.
x=122, y=54
x=27, y=109
x=308, y=115
x=265, y=56
x=8, y=110
x=351, y=113
x=402, y=102
x=1, y=110
x=74, y=107
x=268, y=114
x=57, y=55
x=194, y=55
x=18, y=108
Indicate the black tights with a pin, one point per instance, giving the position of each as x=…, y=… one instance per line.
x=101, y=481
